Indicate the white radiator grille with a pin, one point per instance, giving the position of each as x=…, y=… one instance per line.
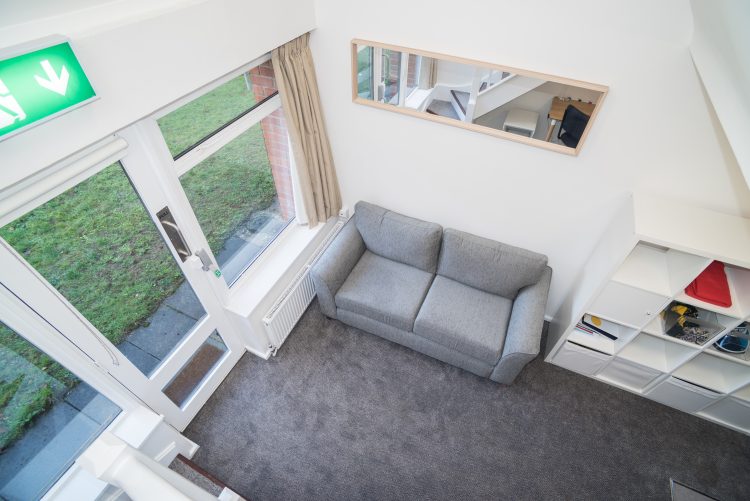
x=292, y=303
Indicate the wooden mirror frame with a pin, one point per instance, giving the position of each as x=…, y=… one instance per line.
x=603, y=89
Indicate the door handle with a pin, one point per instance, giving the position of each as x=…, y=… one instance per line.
x=173, y=233
x=205, y=259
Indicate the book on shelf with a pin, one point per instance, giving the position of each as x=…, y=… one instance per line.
x=592, y=325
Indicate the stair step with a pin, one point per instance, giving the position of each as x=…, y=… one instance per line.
x=461, y=98
x=442, y=108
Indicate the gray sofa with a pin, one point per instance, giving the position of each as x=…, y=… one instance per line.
x=466, y=300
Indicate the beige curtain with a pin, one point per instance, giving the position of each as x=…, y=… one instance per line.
x=432, y=79
x=298, y=87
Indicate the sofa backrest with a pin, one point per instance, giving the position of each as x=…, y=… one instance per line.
x=487, y=265
x=398, y=237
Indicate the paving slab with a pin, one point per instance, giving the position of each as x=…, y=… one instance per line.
x=31, y=476
x=186, y=302
x=166, y=329
x=145, y=362
x=88, y=401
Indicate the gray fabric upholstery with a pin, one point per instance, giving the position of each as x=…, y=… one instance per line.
x=334, y=266
x=465, y=319
x=524, y=330
x=483, y=311
x=385, y=290
x=416, y=343
x=487, y=265
x=398, y=237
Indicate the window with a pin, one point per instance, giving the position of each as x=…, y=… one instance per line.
x=414, y=73
x=47, y=417
x=365, y=71
x=391, y=75
x=241, y=193
x=97, y=245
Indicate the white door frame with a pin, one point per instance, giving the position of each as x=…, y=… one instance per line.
x=145, y=157
x=27, y=323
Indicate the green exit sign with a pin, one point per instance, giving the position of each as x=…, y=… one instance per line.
x=37, y=85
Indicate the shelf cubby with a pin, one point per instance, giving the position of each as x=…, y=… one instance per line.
x=659, y=354
x=739, y=289
x=627, y=305
x=658, y=269
x=602, y=343
x=730, y=411
x=739, y=357
x=715, y=373
x=656, y=327
x=632, y=376
x=743, y=394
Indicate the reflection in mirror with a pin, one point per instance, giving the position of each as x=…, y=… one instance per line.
x=538, y=109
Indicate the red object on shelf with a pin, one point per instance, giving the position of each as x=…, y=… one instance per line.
x=711, y=286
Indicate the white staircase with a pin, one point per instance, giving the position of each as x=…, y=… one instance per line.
x=504, y=91
x=488, y=90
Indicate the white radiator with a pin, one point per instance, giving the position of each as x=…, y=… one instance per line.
x=292, y=303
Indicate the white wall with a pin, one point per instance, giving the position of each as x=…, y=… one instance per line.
x=721, y=50
x=452, y=73
x=140, y=64
x=654, y=132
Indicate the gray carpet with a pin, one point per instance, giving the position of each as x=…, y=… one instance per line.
x=340, y=414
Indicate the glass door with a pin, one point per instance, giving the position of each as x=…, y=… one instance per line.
x=93, y=263
x=47, y=415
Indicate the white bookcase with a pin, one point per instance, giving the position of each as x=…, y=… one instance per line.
x=652, y=250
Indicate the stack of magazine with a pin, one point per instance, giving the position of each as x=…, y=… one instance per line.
x=593, y=325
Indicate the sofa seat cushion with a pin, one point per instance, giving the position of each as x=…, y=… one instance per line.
x=384, y=290
x=464, y=319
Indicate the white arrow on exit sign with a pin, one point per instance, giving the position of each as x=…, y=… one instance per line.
x=54, y=82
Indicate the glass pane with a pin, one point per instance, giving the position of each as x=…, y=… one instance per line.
x=391, y=73
x=364, y=71
x=242, y=194
x=47, y=417
x=413, y=73
x=192, y=122
x=98, y=246
x=196, y=369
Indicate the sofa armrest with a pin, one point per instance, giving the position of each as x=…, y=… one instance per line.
x=524, y=335
x=333, y=267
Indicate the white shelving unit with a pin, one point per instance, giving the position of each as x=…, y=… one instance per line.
x=641, y=265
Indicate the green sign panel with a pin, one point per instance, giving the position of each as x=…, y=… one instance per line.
x=39, y=84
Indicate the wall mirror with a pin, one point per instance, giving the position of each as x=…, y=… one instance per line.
x=534, y=108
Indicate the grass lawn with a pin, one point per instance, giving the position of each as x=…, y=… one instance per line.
x=97, y=245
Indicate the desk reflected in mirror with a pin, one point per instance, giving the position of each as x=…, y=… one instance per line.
x=529, y=107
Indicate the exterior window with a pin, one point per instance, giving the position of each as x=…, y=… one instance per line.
x=192, y=123
x=47, y=417
x=97, y=245
x=365, y=74
x=242, y=193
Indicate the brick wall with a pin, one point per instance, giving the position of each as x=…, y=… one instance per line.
x=412, y=78
x=276, y=138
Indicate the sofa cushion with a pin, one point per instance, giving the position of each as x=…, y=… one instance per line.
x=464, y=319
x=398, y=237
x=487, y=265
x=384, y=290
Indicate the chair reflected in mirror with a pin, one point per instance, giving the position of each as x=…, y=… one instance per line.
x=572, y=126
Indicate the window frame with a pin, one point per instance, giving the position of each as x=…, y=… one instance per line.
x=215, y=141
